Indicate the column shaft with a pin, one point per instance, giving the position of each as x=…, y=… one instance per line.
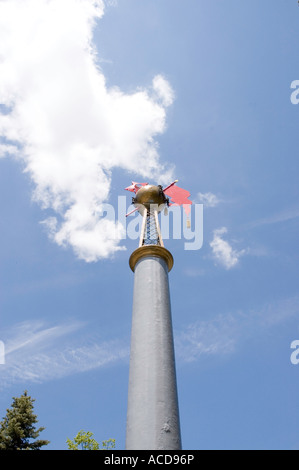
x=152, y=416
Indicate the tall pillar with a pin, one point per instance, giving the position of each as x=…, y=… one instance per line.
x=152, y=415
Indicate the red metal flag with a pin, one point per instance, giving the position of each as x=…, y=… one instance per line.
x=178, y=196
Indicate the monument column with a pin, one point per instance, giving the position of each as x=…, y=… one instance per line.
x=153, y=413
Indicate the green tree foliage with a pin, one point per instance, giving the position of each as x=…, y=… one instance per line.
x=17, y=429
x=85, y=441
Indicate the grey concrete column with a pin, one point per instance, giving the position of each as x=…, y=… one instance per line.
x=152, y=415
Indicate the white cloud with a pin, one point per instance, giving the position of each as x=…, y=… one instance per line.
x=222, y=250
x=72, y=128
x=7, y=149
x=208, y=199
x=163, y=89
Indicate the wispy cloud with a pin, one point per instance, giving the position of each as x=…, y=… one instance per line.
x=37, y=353
x=223, y=252
x=282, y=216
x=67, y=126
x=223, y=334
x=208, y=199
x=193, y=272
x=217, y=336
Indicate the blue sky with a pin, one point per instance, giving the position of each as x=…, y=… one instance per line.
x=94, y=96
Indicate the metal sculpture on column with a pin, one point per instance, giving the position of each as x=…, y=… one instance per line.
x=153, y=413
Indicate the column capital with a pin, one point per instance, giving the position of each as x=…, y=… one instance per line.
x=149, y=251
